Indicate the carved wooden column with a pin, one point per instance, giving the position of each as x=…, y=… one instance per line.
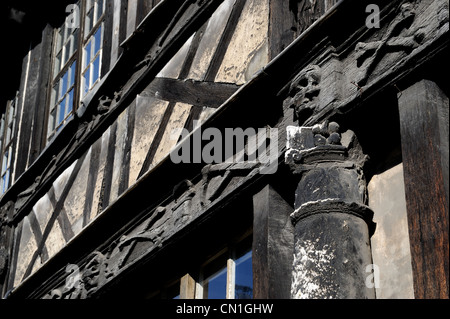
x=332, y=223
x=423, y=109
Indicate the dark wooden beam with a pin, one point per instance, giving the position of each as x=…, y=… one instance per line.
x=424, y=132
x=193, y=116
x=280, y=27
x=125, y=175
x=107, y=37
x=92, y=179
x=210, y=94
x=186, y=67
x=108, y=173
x=37, y=234
x=224, y=41
x=17, y=234
x=63, y=219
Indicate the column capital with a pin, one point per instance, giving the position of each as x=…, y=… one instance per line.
x=321, y=144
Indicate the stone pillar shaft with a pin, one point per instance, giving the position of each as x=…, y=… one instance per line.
x=332, y=224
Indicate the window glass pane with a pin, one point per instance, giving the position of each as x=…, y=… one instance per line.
x=86, y=81
x=87, y=54
x=5, y=162
x=99, y=10
x=61, y=111
x=215, y=287
x=70, y=102
x=66, y=53
x=65, y=32
x=58, y=40
x=53, y=96
x=89, y=22
x=75, y=41
x=8, y=135
x=64, y=83
x=97, y=40
x=89, y=4
x=51, y=122
x=96, y=74
x=9, y=157
x=244, y=277
x=10, y=115
x=5, y=182
x=73, y=68
x=57, y=64
x=7, y=178
x=71, y=46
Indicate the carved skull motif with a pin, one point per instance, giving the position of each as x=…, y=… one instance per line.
x=407, y=10
x=94, y=273
x=303, y=93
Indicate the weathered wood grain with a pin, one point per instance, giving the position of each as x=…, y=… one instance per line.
x=424, y=133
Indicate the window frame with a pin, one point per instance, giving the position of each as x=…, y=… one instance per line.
x=88, y=38
x=54, y=124
x=228, y=257
x=7, y=137
x=74, y=65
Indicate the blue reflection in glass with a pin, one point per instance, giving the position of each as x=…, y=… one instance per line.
x=244, y=277
x=97, y=40
x=86, y=81
x=96, y=74
x=61, y=112
x=70, y=104
x=64, y=83
x=99, y=10
x=216, y=286
x=87, y=53
x=73, y=68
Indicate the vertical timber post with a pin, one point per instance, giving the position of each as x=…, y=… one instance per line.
x=272, y=245
x=424, y=119
x=332, y=224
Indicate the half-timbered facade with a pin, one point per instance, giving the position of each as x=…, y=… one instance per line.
x=226, y=149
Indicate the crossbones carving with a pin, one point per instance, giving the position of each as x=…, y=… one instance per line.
x=391, y=41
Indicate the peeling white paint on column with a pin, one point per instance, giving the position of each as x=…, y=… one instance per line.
x=311, y=265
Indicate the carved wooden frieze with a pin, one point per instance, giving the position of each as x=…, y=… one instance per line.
x=189, y=201
x=338, y=75
x=81, y=284
x=405, y=33
x=399, y=36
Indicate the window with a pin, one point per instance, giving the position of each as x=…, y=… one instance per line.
x=228, y=276
x=92, y=50
x=7, y=127
x=77, y=58
x=62, y=100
